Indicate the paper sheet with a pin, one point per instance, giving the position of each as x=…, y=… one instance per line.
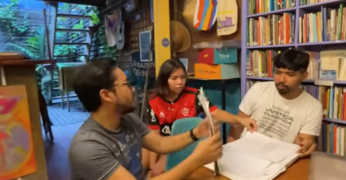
x=237, y=165
x=255, y=157
x=205, y=105
x=268, y=148
x=233, y=159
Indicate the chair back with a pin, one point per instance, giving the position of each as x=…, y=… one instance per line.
x=181, y=126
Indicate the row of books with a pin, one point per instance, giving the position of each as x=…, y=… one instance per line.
x=305, y=2
x=261, y=6
x=333, y=100
x=332, y=139
x=271, y=30
x=259, y=63
x=327, y=25
x=329, y=64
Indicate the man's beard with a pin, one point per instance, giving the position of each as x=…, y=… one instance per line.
x=127, y=107
x=285, y=90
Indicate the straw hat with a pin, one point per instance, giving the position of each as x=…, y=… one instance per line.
x=189, y=9
x=180, y=37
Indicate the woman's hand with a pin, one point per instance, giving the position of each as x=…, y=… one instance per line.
x=248, y=123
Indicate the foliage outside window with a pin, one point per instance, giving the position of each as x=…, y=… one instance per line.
x=9, y=12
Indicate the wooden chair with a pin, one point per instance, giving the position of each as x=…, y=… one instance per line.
x=47, y=124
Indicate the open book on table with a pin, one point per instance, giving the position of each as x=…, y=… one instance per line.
x=256, y=157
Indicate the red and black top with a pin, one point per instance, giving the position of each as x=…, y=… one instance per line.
x=163, y=113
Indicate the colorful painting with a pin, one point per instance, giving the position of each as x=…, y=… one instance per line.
x=16, y=144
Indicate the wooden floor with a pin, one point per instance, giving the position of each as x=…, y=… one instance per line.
x=61, y=117
x=66, y=124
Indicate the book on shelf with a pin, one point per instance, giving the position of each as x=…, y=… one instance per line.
x=332, y=139
x=308, y=2
x=324, y=65
x=332, y=99
x=271, y=30
x=329, y=24
x=257, y=6
x=262, y=157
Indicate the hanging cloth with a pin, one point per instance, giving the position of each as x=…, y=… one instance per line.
x=205, y=14
x=112, y=23
x=227, y=17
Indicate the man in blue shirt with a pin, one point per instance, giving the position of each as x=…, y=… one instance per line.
x=108, y=145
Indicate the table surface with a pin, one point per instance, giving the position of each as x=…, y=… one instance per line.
x=25, y=62
x=297, y=171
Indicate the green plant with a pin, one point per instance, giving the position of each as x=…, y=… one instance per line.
x=9, y=15
x=35, y=48
x=94, y=16
x=79, y=25
x=64, y=7
x=35, y=45
x=110, y=52
x=62, y=50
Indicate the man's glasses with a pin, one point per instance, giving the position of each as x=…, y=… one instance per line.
x=124, y=83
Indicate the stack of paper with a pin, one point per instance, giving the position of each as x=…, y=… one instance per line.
x=205, y=105
x=256, y=157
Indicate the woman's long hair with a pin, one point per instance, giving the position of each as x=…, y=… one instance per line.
x=166, y=70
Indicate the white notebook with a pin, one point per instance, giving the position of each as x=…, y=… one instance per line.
x=256, y=157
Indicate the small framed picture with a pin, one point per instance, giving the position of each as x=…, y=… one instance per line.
x=185, y=62
x=145, y=45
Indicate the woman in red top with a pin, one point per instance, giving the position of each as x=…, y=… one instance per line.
x=172, y=100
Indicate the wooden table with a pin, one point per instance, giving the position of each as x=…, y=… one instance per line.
x=297, y=171
x=66, y=74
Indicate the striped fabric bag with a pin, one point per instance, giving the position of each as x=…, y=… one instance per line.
x=205, y=14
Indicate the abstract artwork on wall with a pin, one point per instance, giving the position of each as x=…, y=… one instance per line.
x=16, y=145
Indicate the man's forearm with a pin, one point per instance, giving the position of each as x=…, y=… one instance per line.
x=236, y=131
x=174, y=143
x=153, y=157
x=224, y=116
x=179, y=172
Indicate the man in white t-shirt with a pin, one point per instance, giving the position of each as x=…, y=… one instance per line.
x=281, y=108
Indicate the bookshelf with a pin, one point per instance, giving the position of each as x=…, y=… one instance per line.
x=297, y=36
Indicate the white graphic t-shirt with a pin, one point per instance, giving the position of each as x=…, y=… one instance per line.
x=281, y=118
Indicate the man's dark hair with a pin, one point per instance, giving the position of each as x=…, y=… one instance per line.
x=166, y=70
x=292, y=59
x=91, y=79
